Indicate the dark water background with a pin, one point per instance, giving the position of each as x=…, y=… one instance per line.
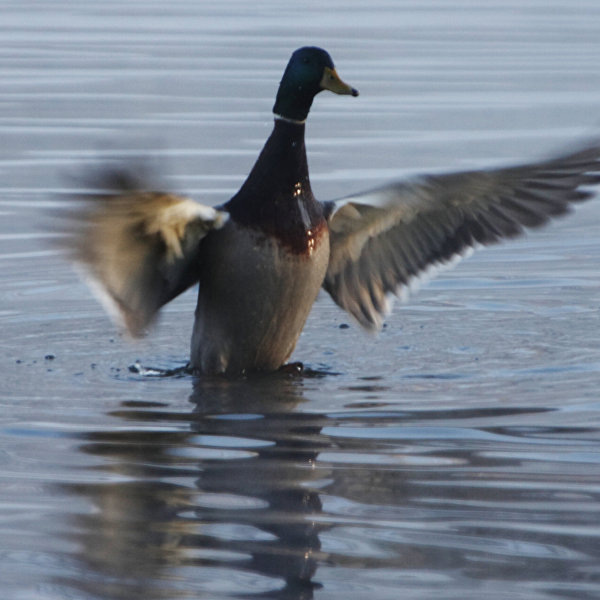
x=457, y=455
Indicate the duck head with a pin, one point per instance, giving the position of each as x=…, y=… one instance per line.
x=309, y=72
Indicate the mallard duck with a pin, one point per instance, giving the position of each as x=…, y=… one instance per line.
x=262, y=257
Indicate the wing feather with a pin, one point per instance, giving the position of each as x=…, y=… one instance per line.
x=384, y=240
x=139, y=249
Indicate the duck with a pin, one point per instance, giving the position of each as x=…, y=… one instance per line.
x=261, y=258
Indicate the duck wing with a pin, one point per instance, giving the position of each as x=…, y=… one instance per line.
x=139, y=249
x=384, y=240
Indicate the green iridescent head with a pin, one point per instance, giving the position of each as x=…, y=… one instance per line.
x=309, y=71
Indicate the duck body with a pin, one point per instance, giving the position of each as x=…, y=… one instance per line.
x=275, y=247
x=261, y=258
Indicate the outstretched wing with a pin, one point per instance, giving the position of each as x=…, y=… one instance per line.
x=139, y=249
x=385, y=239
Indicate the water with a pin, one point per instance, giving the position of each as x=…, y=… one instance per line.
x=456, y=455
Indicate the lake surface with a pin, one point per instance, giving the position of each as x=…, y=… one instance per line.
x=456, y=455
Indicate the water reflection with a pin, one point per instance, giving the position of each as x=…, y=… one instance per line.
x=229, y=487
x=246, y=492
x=281, y=474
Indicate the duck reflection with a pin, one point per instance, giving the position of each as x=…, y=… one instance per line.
x=221, y=502
x=281, y=474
